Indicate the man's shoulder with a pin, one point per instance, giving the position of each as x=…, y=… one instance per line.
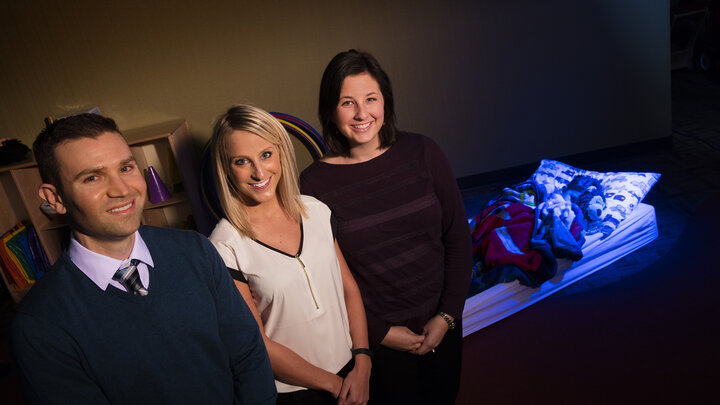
x=55, y=288
x=171, y=236
x=180, y=247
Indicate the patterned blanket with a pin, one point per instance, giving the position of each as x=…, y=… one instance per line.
x=513, y=239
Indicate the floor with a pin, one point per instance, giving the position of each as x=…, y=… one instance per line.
x=690, y=171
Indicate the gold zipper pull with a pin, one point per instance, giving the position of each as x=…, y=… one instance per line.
x=297, y=256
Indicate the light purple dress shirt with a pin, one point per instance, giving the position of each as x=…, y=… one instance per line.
x=100, y=268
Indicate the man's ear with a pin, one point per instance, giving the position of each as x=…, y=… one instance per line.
x=49, y=193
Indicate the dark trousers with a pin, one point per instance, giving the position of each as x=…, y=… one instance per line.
x=404, y=378
x=306, y=397
x=313, y=397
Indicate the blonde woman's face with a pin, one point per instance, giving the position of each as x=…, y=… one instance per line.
x=254, y=167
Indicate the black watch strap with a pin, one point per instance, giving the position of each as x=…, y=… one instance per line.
x=368, y=352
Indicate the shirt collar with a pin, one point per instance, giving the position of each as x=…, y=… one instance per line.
x=100, y=268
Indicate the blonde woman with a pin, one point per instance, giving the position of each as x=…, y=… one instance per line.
x=280, y=249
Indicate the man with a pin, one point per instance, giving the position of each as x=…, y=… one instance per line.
x=89, y=332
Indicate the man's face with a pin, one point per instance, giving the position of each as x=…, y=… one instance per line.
x=103, y=190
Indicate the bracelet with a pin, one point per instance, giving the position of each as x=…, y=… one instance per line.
x=364, y=351
x=451, y=323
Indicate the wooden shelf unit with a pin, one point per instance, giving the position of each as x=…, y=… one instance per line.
x=19, y=200
x=168, y=147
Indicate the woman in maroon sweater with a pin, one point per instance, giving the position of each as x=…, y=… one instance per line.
x=402, y=227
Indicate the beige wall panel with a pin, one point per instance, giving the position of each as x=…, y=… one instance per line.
x=497, y=84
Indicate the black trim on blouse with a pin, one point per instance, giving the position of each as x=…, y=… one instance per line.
x=302, y=239
x=333, y=226
x=237, y=275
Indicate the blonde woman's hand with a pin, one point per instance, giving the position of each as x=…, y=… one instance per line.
x=356, y=386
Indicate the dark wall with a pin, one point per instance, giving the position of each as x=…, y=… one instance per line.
x=554, y=78
x=496, y=83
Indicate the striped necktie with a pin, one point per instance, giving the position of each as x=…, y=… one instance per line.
x=130, y=278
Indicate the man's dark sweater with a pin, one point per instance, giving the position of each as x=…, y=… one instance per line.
x=403, y=231
x=191, y=340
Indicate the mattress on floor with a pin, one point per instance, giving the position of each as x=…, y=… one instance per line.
x=502, y=300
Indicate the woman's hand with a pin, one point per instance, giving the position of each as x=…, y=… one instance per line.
x=335, y=386
x=356, y=386
x=434, y=332
x=403, y=339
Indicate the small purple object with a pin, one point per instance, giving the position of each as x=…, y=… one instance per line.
x=157, y=192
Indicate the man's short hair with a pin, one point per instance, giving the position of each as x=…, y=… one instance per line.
x=62, y=130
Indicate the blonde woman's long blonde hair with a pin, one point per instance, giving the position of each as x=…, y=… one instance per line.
x=243, y=117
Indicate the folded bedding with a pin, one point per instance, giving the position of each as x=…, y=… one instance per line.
x=514, y=240
x=527, y=227
x=503, y=248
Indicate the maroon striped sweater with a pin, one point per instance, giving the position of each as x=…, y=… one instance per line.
x=403, y=231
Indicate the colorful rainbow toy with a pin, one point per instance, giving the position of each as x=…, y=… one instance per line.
x=300, y=129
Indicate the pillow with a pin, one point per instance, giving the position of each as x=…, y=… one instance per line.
x=553, y=176
x=623, y=190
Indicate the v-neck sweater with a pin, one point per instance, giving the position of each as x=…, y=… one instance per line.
x=299, y=297
x=192, y=339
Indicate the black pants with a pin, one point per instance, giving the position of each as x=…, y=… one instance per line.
x=313, y=397
x=306, y=397
x=404, y=378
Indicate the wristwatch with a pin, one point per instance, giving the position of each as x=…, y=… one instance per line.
x=446, y=317
x=363, y=350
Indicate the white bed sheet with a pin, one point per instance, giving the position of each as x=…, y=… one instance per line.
x=503, y=300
